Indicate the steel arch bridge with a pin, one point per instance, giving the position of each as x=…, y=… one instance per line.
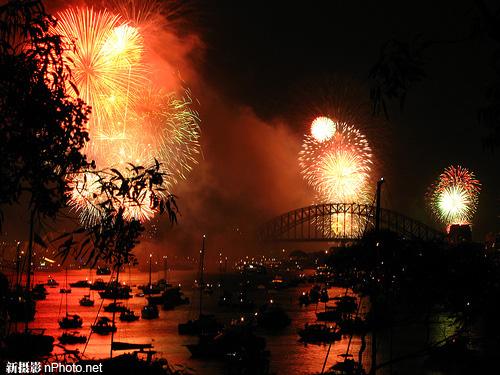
x=341, y=221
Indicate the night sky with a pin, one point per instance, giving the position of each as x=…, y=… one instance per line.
x=268, y=57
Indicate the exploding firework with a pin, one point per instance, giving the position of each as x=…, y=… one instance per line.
x=336, y=161
x=176, y=129
x=338, y=167
x=106, y=58
x=104, y=55
x=454, y=196
x=322, y=128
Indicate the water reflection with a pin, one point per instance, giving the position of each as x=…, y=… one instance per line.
x=288, y=355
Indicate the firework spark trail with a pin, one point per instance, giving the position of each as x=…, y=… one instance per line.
x=338, y=168
x=454, y=196
x=178, y=131
x=131, y=121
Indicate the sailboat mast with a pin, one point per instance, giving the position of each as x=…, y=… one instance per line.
x=18, y=265
x=202, y=281
x=150, y=256
x=114, y=310
x=30, y=252
x=165, y=268
x=66, y=290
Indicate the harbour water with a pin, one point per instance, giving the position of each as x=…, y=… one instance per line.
x=288, y=355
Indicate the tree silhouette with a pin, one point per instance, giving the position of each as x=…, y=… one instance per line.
x=42, y=129
x=401, y=65
x=113, y=236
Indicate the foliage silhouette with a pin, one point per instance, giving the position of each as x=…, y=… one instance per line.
x=42, y=129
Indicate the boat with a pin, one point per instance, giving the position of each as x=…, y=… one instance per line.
x=116, y=292
x=21, y=306
x=71, y=321
x=150, y=288
x=355, y=325
x=80, y=284
x=98, y=284
x=346, y=367
x=39, y=292
x=163, y=284
x=51, y=282
x=103, y=326
x=272, y=316
x=128, y=316
x=330, y=314
x=103, y=271
x=115, y=307
x=170, y=297
x=86, y=301
x=206, y=324
x=318, y=333
x=65, y=290
x=233, y=339
x=72, y=338
x=119, y=345
x=346, y=304
x=150, y=311
x=244, y=352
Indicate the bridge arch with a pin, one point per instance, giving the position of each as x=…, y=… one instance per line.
x=341, y=221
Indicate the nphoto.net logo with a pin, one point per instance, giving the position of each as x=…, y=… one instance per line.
x=49, y=368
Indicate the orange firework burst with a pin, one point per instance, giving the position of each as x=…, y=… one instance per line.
x=339, y=167
x=336, y=161
x=106, y=57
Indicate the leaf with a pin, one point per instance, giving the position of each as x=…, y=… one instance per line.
x=66, y=234
x=39, y=241
x=117, y=172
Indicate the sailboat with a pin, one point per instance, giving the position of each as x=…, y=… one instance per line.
x=151, y=288
x=103, y=271
x=70, y=321
x=115, y=290
x=65, y=290
x=68, y=338
x=86, y=301
x=150, y=311
x=205, y=324
x=128, y=315
x=103, y=326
